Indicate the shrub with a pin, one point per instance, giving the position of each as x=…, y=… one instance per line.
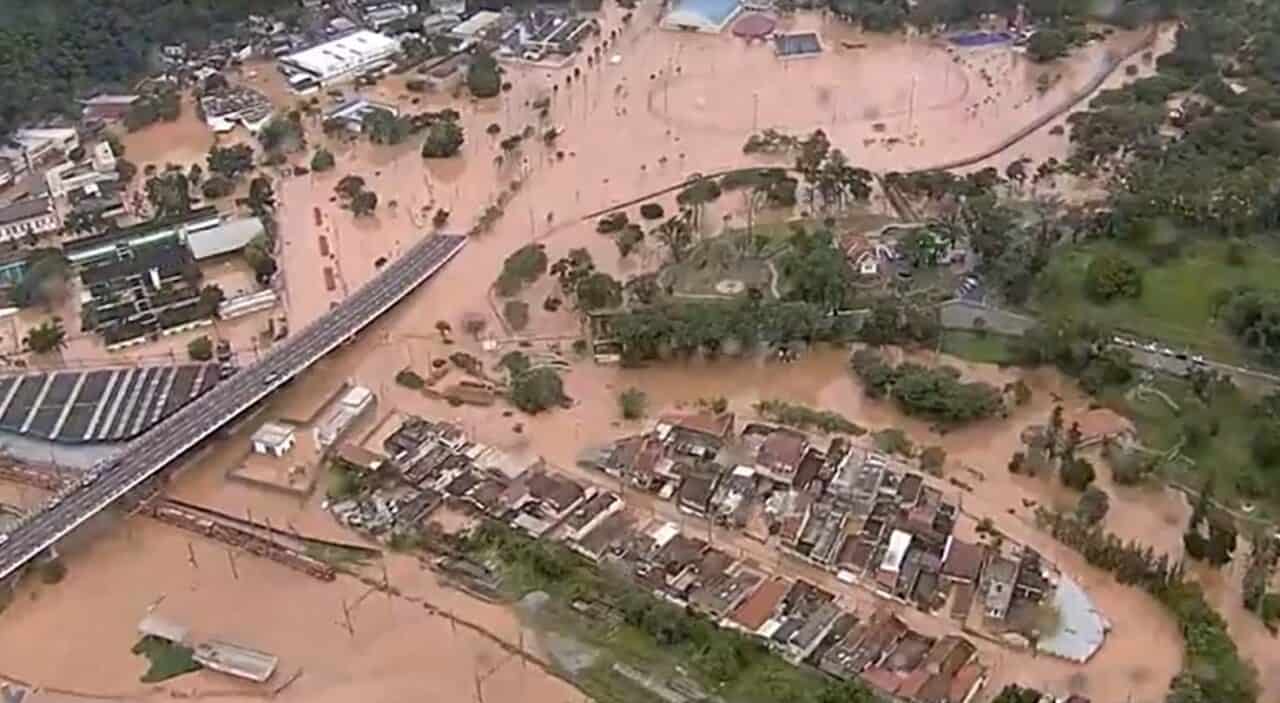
x=613, y=222
x=217, y=186
x=893, y=441
x=932, y=459
x=1078, y=474
x=322, y=160
x=411, y=380
x=200, y=349
x=516, y=313
x=524, y=266
x=632, y=403
x=651, y=211
x=1093, y=506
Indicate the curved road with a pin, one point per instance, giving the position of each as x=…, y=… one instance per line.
x=147, y=455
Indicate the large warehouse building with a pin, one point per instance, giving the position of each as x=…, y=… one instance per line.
x=339, y=60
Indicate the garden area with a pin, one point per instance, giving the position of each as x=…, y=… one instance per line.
x=1177, y=299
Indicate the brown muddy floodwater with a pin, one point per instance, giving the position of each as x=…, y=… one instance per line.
x=672, y=104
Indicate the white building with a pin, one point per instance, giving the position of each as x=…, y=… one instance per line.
x=32, y=216
x=274, y=439
x=226, y=237
x=67, y=178
x=344, y=413
x=353, y=112
x=342, y=59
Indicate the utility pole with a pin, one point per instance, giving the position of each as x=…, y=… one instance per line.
x=386, y=580
x=231, y=559
x=346, y=620
x=191, y=556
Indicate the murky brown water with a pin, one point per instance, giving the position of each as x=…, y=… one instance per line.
x=627, y=131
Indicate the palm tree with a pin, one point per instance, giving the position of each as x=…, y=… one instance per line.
x=444, y=328
x=48, y=337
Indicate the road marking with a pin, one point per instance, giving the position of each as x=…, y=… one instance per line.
x=71, y=403
x=44, y=390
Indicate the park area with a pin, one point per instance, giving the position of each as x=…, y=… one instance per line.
x=1196, y=435
x=1177, y=304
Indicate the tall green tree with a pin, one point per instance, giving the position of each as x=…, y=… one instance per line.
x=484, y=77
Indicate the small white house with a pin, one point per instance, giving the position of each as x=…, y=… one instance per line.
x=274, y=439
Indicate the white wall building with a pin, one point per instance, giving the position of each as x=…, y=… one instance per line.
x=68, y=177
x=342, y=59
x=274, y=439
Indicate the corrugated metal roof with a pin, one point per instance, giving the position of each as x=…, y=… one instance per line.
x=232, y=235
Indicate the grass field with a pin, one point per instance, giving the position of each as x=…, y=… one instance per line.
x=983, y=348
x=1224, y=454
x=1176, y=305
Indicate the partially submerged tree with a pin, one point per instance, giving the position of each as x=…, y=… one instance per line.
x=484, y=76
x=47, y=337
x=444, y=139
x=322, y=160
x=632, y=403
x=200, y=348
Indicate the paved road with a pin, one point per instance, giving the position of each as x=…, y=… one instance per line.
x=151, y=452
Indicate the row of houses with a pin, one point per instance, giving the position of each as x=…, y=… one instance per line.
x=801, y=621
x=848, y=509
x=436, y=462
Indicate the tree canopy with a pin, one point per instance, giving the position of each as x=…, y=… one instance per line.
x=49, y=336
x=484, y=77
x=936, y=393
x=56, y=51
x=444, y=139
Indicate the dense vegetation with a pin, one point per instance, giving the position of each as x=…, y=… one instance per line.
x=524, y=266
x=54, y=51
x=938, y=394
x=1065, y=16
x=714, y=328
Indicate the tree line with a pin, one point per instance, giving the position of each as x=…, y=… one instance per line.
x=1212, y=668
